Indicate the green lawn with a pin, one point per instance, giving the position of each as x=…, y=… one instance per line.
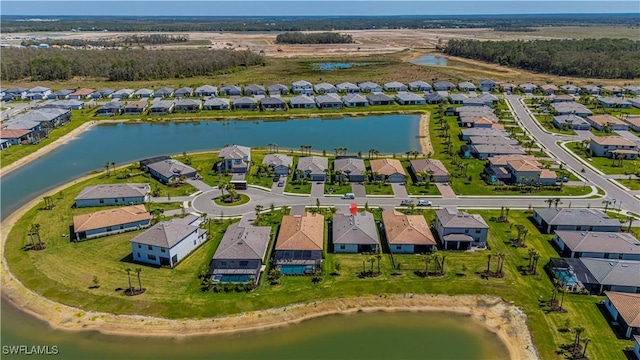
x=378, y=189
x=546, y=122
x=242, y=199
x=163, y=206
x=337, y=188
x=602, y=133
x=413, y=189
x=304, y=188
x=633, y=184
x=603, y=164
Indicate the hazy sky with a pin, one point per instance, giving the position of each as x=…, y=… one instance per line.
x=311, y=7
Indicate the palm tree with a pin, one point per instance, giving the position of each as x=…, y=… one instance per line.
x=371, y=152
x=525, y=232
x=630, y=220
x=536, y=257
x=379, y=257
x=372, y=260
x=138, y=270
x=128, y=270
x=557, y=201
x=578, y=330
x=586, y=343
x=549, y=201
x=113, y=166
x=488, y=263
x=427, y=260
x=36, y=231
x=520, y=228
x=501, y=256
x=606, y=204
x=258, y=209
x=107, y=166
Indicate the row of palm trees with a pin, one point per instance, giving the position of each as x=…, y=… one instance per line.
x=108, y=165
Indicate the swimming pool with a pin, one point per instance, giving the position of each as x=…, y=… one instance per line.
x=566, y=277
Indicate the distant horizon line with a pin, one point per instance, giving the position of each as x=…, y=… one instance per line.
x=315, y=16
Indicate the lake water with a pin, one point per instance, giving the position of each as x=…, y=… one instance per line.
x=359, y=336
x=435, y=60
x=328, y=66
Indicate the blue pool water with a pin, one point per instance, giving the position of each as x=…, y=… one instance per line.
x=293, y=269
x=566, y=277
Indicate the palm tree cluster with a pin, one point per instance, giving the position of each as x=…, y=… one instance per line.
x=534, y=257
x=131, y=290
x=499, y=267
x=35, y=239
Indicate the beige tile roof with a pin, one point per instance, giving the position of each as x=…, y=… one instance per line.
x=523, y=165
x=110, y=217
x=83, y=92
x=612, y=140
x=633, y=120
x=431, y=166
x=387, y=166
x=13, y=133
x=406, y=229
x=483, y=120
x=301, y=232
x=604, y=119
x=548, y=174
x=628, y=306
x=502, y=160
x=140, y=104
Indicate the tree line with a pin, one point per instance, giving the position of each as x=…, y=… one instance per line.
x=313, y=38
x=150, y=39
x=120, y=65
x=595, y=58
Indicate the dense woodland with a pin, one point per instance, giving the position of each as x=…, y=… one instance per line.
x=313, y=38
x=308, y=23
x=597, y=58
x=132, y=40
x=119, y=65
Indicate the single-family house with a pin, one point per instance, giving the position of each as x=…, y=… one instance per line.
x=548, y=89
x=485, y=151
x=136, y=107
x=508, y=87
x=18, y=93
x=240, y=256
x=632, y=89
x=570, y=89
x=254, y=89
x=610, y=146
x=570, y=108
x=302, y=102
x=369, y=87
x=164, y=92
x=206, y=90
x=144, y=93
x=571, y=121
x=234, y=158
x=487, y=85
x=613, y=89
x=636, y=347
x=314, y=167
x=62, y=94
x=161, y=107
x=432, y=168
x=458, y=98
x=355, y=100
x=17, y=136
x=329, y=101
x=625, y=310
x=492, y=140
x=407, y=234
x=407, y=98
x=38, y=93
x=634, y=122
x=597, y=244
x=325, y=88
x=170, y=170
x=144, y=163
x=302, y=87
x=591, y=89
x=459, y=230
x=81, y=94
x=355, y=233
x=527, y=88
x=496, y=167
x=635, y=102
x=434, y=98
x=66, y=104
x=562, y=98
x=123, y=93
x=388, y=169
x=614, y=102
x=611, y=275
x=277, y=89
x=105, y=93
x=111, y=108
x=110, y=221
x=279, y=163
x=231, y=90
x=216, y=104
x=245, y=103
x=380, y=99
x=420, y=85
x=188, y=105
x=113, y=194
x=47, y=117
x=489, y=99
x=466, y=134
x=395, y=86
x=550, y=220
x=443, y=86
x=168, y=242
x=350, y=168
x=476, y=101
x=4, y=143
x=467, y=86
x=605, y=120
x=184, y=92
x=525, y=171
x=273, y=103
x=299, y=245
x=347, y=87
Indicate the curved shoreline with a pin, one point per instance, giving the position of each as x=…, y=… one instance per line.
x=425, y=140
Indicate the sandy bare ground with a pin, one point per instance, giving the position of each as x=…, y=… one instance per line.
x=425, y=140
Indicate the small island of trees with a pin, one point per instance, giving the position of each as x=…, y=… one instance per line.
x=313, y=38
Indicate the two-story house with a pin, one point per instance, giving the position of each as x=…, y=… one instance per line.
x=459, y=230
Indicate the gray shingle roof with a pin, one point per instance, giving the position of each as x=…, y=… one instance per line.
x=273, y=101
x=115, y=105
x=244, y=242
x=564, y=216
x=600, y=242
x=165, y=91
x=614, y=272
x=277, y=160
x=351, y=166
x=171, y=167
x=354, y=98
x=235, y=152
x=144, y=92
x=188, y=102
x=467, y=84
x=419, y=84
x=207, y=89
x=355, y=229
x=277, y=88
x=407, y=96
x=302, y=83
x=167, y=234
x=458, y=97
x=368, y=85
x=113, y=191
x=323, y=86
x=254, y=88
x=163, y=104
x=216, y=102
x=328, y=99
x=245, y=100
x=314, y=164
x=302, y=99
x=394, y=85
x=232, y=88
x=347, y=86
x=452, y=218
x=184, y=91
x=379, y=97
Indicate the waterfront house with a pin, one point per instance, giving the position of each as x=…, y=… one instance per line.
x=443, y=86
x=38, y=93
x=168, y=242
x=571, y=121
x=240, y=256
x=144, y=93
x=111, y=108
x=188, y=105
x=347, y=87
x=277, y=89
x=325, y=88
x=65, y=104
x=407, y=98
x=596, y=244
x=206, y=90
x=245, y=103
x=395, y=86
x=234, y=158
x=350, y=168
x=614, y=102
x=625, y=310
x=420, y=85
x=355, y=233
x=434, y=99
x=570, y=108
x=113, y=194
x=184, y=92
x=355, y=100
x=164, y=92
x=302, y=87
x=550, y=220
x=170, y=170
x=599, y=122
x=597, y=275
x=466, y=134
x=485, y=151
x=388, y=169
x=123, y=94
x=610, y=146
x=136, y=107
x=300, y=243
x=548, y=89
x=25, y=131
x=487, y=85
x=216, y=104
x=570, y=89
x=459, y=230
x=17, y=136
x=467, y=86
x=62, y=94
x=591, y=89
x=407, y=234
x=435, y=169
x=314, y=167
x=369, y=87
x=144, y=163
x=273, y=103
x=231, y=90
x=110, y=221
x=457, y=98
x=329, y=101
x=279, y=163
x=302, y=102
x=161, y=107
x=527, y=88
x=380, y=99
x=254, y=89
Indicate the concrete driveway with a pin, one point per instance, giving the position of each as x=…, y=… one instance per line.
x=399, y=191
x=279, y=189
x=317, y=189
x=358, y=190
